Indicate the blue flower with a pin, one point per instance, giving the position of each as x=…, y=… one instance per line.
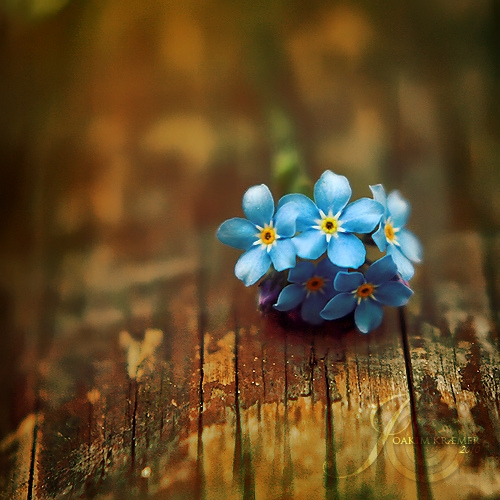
x=391, y=236
x=366, y=296
x=312, y=286
x=328, y=224
x=264, y=236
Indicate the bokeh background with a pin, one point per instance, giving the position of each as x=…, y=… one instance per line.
x=128, y=127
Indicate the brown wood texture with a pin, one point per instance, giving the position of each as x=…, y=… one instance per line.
x=133, y=363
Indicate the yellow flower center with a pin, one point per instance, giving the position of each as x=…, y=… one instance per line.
x=365, y=290
x=315, y=284
x=329, y=225
x=268, y=235
x=390, y=232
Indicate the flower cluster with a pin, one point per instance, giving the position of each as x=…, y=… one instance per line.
x=318, y=242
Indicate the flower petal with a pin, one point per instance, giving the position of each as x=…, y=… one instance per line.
x=346, y=250
x=332, y=192
x=338, y=307
x=285, y=219
x=311, y=308
x=379, y=238
x=368, y=315
x=301, y=272
x=327, y=269
x=258, y=205
x=398, y=208
x=393, y=293
x=252, y=265
x=381, y=270
x=328, y=289
x=308, y=210
x=310, y=244
x=410, y=245
x=379, y=195
x=361, y=216
x=347, y=282
x=405, y=267
x=238, y=233
x=291, y=296
x=283, y=254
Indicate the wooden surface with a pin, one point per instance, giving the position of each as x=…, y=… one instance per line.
x=133, y=363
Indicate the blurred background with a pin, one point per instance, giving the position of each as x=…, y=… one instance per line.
x=128, y=127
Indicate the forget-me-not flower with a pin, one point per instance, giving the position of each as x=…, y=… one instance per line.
x=328, y=223
x=312, y=286
x=366, y=296
x=391, y=236
x=264, y=235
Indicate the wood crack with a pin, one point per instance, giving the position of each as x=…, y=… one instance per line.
x=202, y=322
x=134, y=426
x=287, y=459
x=31, y=479
x=423, y=486
x=330, y=466
x=237, y=461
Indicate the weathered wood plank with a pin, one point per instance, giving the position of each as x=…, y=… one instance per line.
x=122, y=423
x=113, y=405
x=373, y=397
x=288, y=411
x=492, y=275
x=220, y=401
x=18, y=451
x=456, y=371
x=156, y=377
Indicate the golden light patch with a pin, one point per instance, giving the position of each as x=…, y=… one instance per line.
x=140, y=354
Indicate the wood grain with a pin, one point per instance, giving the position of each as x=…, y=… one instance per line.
x=455, y=367
x=133, y=363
